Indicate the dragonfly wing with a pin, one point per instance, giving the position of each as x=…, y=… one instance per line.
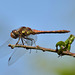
x=16, y=55
x=29, y=42
x=4, y=49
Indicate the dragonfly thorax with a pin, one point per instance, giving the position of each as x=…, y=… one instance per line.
x=26, y=31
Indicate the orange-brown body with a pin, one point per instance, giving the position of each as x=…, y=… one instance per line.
x=23, y=32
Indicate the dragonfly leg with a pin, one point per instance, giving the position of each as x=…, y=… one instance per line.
x=22, y=41
x=34, y=43
x=18, y=40
x=25, y=41
x=31, y=41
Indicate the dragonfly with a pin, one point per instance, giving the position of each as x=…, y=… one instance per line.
x=27, y=36
x=23, y=32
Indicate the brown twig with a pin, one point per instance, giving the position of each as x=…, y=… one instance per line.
x=41, y=48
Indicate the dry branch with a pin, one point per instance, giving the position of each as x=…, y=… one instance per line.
x=41, y=48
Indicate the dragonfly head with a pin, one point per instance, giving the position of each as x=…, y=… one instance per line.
x=14, y=34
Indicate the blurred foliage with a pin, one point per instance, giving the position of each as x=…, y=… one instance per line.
x=66, y=70
x=51, y=64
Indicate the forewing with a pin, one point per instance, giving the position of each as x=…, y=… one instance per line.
x=4, y=49
x=16, y=55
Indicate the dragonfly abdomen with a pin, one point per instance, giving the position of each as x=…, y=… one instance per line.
x=58, y=31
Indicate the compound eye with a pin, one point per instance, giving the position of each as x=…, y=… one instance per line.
x=14, y=31
x=14, y=34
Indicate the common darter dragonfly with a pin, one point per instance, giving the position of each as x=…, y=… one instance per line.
x=28, y=37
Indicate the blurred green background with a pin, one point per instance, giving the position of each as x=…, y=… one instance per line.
x=40, y=15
